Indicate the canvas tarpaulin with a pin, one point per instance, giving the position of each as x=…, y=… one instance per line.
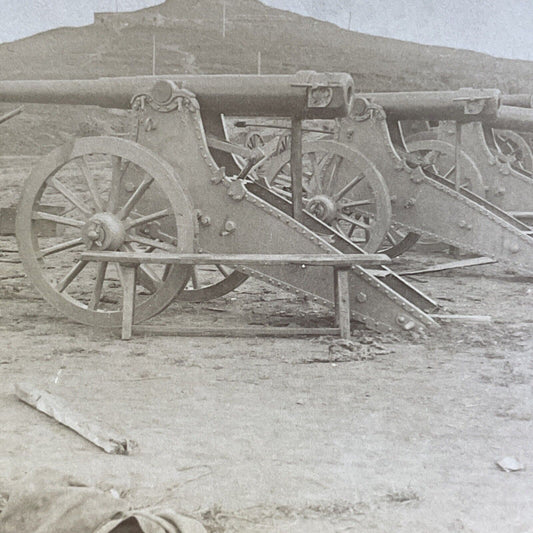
x=47, y=501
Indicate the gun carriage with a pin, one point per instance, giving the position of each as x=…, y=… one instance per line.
x=177, y=188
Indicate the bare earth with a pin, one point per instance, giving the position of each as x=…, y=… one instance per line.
x=286, y=435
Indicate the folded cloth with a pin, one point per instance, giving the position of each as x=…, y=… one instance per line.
x=47, y=501
x=152, y=521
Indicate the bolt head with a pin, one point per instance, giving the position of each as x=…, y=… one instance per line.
x=230, y=225
x=93, y=235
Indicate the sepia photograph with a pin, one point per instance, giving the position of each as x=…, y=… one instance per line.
x=266, y=266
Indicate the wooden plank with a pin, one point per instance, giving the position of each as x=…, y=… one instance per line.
x=451, y=265
x=336, y=298
x=247, y=331
x=128, y=275
x=135, y=258
x=342, y=302
x=463, y=318
x=296, y=169
x=105, y=438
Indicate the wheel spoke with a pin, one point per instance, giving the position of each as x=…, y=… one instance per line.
x=91, y=184
x=116, y=178
x=70, y=196
x=97, y=292
x=334, y=167
x=223, y=270
x=282, y=180
x=148, y=218
x=134, y=198
x=71, y=276
x=355, y=222
x=449, y=173
x=151, y=243
x=319, y=170
x=194, y=278
x=61, y=247
x=337, y=227
x=162, y=236
x=68, y=210
x=283, y=192
x=348, y=187
x=58, y=219
x=392, y=238
x=358, y=203
x=148, y=278
x=145, y=275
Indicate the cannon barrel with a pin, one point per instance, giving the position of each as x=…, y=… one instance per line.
x=306, y=94
x=513, y=118
x=518, y=100
x=464, y=104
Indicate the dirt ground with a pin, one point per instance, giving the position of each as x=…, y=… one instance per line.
x=286, y=435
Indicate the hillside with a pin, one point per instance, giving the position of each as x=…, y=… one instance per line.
x=188, y=35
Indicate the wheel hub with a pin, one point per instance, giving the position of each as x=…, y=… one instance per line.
x=323, y=208
x=104, y=231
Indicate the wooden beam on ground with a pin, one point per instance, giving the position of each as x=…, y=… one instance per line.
x=476, y=261
x=247, y=331
x=105, y=438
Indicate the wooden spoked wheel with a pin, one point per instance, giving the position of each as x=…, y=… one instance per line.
x=106, y=194
x=341, y=188
x=439, y=157
x=514, y=147
x=254, y=140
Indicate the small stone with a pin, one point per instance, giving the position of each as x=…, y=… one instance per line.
x=510, y=464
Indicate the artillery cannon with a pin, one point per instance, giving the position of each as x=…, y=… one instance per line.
x=506, y=173
x=515, y=143
x=167, y=192
x=452, y=208
x=479, y=205
x=505, y=136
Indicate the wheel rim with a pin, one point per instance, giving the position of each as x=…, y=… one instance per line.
x=108, y=194
x=441, y=156
x=341, y=188
x=210, y=282
x=398, y=242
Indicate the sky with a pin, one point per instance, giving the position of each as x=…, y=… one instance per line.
x=503, y=28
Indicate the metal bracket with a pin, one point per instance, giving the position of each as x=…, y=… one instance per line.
x=473, y=105
x=174, y=98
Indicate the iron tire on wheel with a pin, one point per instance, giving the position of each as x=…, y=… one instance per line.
x=215, y=290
